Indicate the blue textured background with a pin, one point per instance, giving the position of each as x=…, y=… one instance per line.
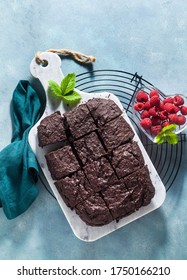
x=149, y=37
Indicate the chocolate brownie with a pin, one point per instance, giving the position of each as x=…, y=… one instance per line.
x=116, y=132
x=128, y=195
x=79, y=121
x=93, y=211
x=74, y=188
x=62, y=162
x=119, y=200
x=103, y=110
x=89, y=148
x=51, y=130
x=100, y=174
x=141, y=186
x=126, y=159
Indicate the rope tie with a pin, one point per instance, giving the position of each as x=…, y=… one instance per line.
x=77, y=56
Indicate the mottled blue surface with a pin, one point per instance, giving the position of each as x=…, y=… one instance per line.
x=144, y=36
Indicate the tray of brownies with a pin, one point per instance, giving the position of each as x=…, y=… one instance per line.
x=92, y=159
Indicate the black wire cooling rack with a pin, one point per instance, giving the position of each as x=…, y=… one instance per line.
x=166, y=158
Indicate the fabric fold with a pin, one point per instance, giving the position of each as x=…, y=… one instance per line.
x=18, y=164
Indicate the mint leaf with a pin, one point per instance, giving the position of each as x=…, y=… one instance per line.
x=171, y=138
x=160, y=139
x=168, y=128
x=66, y=89
x=168, y=134
x=72, y=98
x=55, y=88
x=68, y=83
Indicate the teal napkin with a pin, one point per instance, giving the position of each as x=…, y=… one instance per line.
x=18, y=165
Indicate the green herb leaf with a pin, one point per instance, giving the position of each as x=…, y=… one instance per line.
x=68, y=83
x=171, y=138
x=168, y=134
x=55, y=88
x=66, y=89
x=170, y=127
x=160, y=139
x=72, y=98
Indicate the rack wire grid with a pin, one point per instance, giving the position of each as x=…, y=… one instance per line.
x=166, y=158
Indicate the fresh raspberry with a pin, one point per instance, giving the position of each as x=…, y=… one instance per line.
x=180, y=120
x=144, y=114
x=142, y=96
x=165, y=124
x=155, y=129
x=147, y=105
x=173, y=118
x=168, y=100
x=169, y=107
x=161, y=106
x=155, y=101
x=178, y=100
x=176, y=109
x=156, y=120
x=153, y=93
x=153, y=112
x=184, y=110
x=139, y=106
x=163, y=115
x=146, y=123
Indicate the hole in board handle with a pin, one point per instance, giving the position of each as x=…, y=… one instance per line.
x=44, y=63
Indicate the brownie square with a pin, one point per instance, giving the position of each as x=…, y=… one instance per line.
x=93, y=211
x=126, y=159
x=89, y=148
x=116, y=132
x=140, y=184
x=51, y=130
x=145, y=181
x=79, y=121
x=61, y=162
x=74, y=188
x=103, y=110
x=100, y=174
x=118, y=199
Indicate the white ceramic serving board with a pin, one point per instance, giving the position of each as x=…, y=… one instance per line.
x=84, y=232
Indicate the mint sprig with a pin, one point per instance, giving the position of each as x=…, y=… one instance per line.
x=167, y=134
x=66, y=89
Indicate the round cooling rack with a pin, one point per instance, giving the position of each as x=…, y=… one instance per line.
x=166, y=158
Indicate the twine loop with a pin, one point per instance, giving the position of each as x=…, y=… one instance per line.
x=77, y=56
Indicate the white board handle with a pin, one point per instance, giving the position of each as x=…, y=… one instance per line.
x=50, y=71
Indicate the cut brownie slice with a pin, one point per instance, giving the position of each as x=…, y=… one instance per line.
x=103, y=110
x=62, y=162
x=140, y=184
x=80, y=121
x=126, y=159
x=128, y=195
x=89, y=148
x=74, y=188
x=93, y=211
x=51, y=130
x=100, y=174
x=116, y=132
x=118, y=200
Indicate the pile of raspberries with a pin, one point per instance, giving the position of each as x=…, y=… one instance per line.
x=156, y=113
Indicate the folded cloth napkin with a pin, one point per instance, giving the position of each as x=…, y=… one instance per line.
x=18, y=165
